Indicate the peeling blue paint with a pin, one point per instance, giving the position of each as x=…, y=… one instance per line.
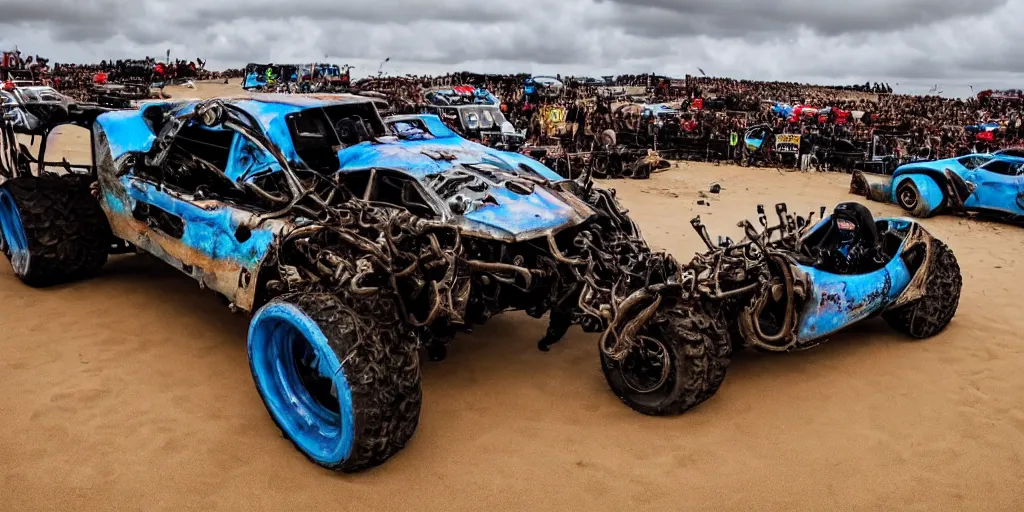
x=518, y=214
x=417, y=157
x=126, y=132
x=247, y=160
x=209, y=232
x=836, y=301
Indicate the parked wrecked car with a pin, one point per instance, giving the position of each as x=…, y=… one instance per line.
x=790, y=286
x=988, y=183
x=474, y=113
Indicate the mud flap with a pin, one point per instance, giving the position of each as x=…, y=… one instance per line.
x=875, y=187
x=957, y=190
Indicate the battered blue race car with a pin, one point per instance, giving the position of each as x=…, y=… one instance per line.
x=986, y=183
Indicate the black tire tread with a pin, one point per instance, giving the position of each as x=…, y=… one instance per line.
x=702, y=343
x=383, y=374
x=67, y=232
x=931, y=314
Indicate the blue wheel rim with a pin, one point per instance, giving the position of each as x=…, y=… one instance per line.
x=13, y=233
x=277, y=334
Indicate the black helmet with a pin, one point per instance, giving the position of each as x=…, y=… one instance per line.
x=853, y=222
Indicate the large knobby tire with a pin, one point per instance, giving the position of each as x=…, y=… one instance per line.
x=53, y=230
x=691, y=352
x=346, y=402
x=931, y=314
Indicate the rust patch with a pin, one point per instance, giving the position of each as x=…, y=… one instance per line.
x=220, y=275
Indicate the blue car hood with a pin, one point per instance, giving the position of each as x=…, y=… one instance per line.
x=506, y=213
x=421, y=158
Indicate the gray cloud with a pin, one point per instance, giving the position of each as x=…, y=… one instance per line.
x=823, y=17
x=906, y=41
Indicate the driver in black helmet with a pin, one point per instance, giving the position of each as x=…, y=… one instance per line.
x=853, y=246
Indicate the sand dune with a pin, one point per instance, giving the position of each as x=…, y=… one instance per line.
x=132, y=391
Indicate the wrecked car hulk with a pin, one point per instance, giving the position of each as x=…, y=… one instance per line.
x=354, y=241
x=790, y=286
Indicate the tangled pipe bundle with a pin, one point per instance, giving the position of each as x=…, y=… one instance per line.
x=722, y=279
x=369, y=251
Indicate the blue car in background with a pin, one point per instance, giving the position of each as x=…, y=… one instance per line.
x=991, y=183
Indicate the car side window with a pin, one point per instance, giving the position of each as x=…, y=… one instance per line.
x=1015, y=152
x=1003, y=167
x=195, y=150
x=971, y=162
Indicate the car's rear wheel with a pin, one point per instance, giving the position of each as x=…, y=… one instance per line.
x=930, y=314
x=53, y=230
x=909, y=197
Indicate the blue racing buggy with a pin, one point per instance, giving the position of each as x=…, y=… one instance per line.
x=984, y=183
x=792, y=285
x=355, y=241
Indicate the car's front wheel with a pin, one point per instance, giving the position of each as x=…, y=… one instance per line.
x=678, y=362
x=919, y=196
x=344, y=388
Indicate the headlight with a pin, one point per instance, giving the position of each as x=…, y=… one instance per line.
x=472, y=121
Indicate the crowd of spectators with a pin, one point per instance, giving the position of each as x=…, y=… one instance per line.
x=919, y=126
x=76, y=80
x=712, y=107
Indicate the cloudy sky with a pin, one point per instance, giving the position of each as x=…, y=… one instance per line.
x=916, y=43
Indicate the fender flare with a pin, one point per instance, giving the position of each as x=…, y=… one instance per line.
x=932, y=195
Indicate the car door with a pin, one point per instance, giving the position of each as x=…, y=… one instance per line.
x=997, y=187
x=219, y=244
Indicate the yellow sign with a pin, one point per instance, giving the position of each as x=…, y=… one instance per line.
x=787, y=138
x=553, y=119
x=556, y=115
